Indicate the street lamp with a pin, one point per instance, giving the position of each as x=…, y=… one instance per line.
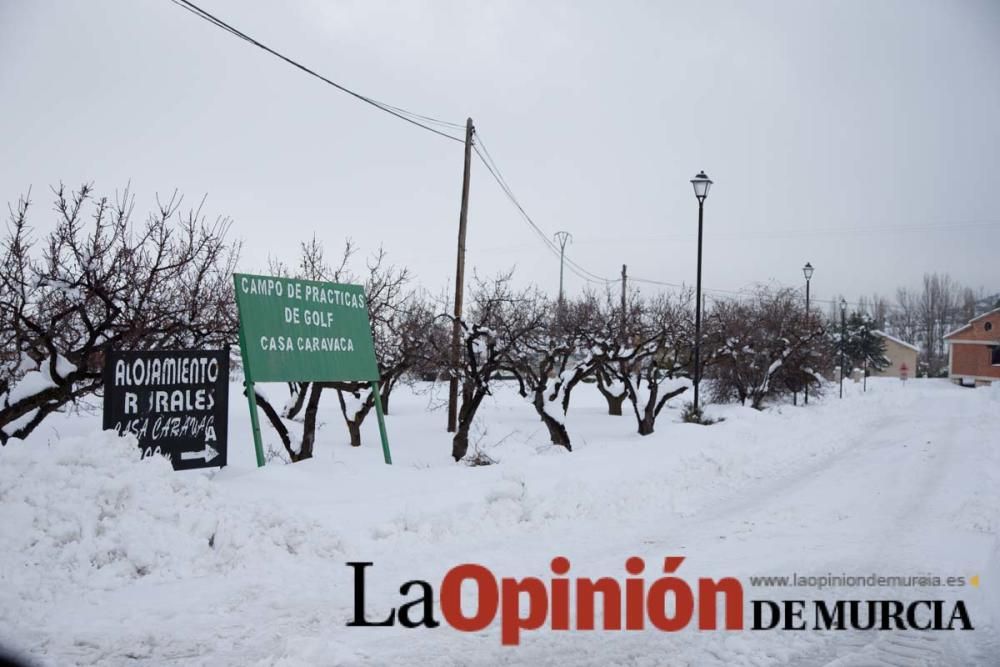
x=843, y=341
x=701, y=184
x=807, y=271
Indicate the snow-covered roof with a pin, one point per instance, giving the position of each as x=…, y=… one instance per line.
x=896, y=340
x=955, y=331
x=969, y=323
x=986, y=314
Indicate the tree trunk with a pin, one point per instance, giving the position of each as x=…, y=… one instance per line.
x=309, y=427
x=355, y=420
x=646, y=424
x=615, y=404
x=557, y=430
x=300, y=390
x=354, y=428
x=275, y=420
x=26, y=428
x=471, y=398
x=571, y=385
x=654, y=403
x=43, y=403
x=614, y=401
x=460, y=443
x=468, y=389
x=648, y=417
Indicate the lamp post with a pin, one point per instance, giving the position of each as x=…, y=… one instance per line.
x=701, y=184
x=843, y=341
x=807, y=271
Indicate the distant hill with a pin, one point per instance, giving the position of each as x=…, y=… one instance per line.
x=986, y=304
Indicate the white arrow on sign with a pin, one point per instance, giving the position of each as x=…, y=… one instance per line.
x=209, y=453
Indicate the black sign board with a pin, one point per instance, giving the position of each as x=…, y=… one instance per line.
x=175, y=402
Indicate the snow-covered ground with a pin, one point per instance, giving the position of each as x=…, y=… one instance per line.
x=105, y=559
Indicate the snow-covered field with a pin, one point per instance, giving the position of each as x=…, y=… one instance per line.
x=105, y=559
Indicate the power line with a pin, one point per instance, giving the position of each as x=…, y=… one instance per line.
x=794, y=233
x=487, y=159
x=588, y=276
x=414, y=118
x=741, y=293
x=410, y=117
x=682, y=286
x=570, y=264
x=494, y=170
x=594, y=278
x=419, y=120
x=422, y=121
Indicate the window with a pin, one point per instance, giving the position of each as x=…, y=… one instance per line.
x=988, y=326
x=995, y=355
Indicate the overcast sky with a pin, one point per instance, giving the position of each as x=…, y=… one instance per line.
x=861, y=136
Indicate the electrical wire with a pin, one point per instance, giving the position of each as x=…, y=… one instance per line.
x=588, y=276
x=487, y=159
x=409, y=116
x=795, y=233
x=423, y=121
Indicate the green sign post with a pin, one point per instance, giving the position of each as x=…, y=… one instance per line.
x=304, y=331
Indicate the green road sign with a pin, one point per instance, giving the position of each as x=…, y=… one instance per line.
x=304, y=331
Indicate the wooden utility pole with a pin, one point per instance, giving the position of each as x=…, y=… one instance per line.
x=456, y=329
x=624, y=288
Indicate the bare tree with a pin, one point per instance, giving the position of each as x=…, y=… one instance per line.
x=610, y=388
x=554, y=358
x=494, y=332
x=312, y=265
x=938, y=309
x=763, y=346
x=968, y=306
x=401, y=324
x=903, y=320
x=877, y=309
x=97, y=283
x=398, y=319
x=656, y=364
x=612, y=333
x=300, y=411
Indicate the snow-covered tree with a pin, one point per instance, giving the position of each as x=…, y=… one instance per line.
x=553, y=359
x=611, y=334
x=99, y=281
x=399, y=320
x=763, y=345
x=655, y=365
x=499, y=322
x=295, y=420
x=862, y=347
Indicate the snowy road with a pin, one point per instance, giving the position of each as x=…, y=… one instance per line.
x=110, y=563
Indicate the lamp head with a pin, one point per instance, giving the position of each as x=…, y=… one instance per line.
x=701, y=184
